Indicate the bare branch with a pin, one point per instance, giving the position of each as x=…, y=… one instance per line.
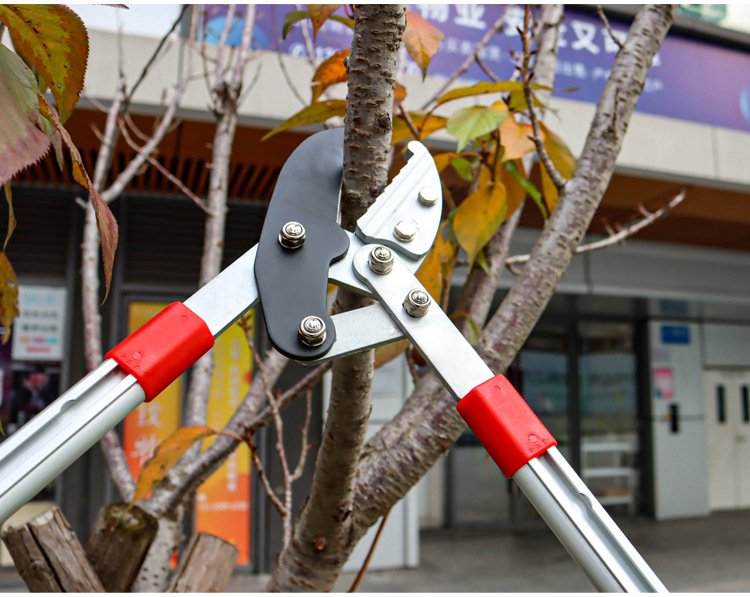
x=554, y=175
x=308, y=40
x=366, y=563
x=605, y=20
x=407, y=119
x=495, y=28
x=614, y=237
x=487, y=70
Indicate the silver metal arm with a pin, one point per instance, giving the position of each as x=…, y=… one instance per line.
x=581, y=524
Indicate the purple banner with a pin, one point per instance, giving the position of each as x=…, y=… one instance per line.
x=689, y=80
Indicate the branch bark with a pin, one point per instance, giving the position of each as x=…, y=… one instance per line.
x=318, y=550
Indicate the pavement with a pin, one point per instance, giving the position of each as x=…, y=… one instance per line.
x=705, y=555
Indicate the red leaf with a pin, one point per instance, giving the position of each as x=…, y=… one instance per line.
x=105, y=221
x=330, y=72
x=422, y=40
x=319, y=14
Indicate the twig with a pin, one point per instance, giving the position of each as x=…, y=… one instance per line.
x=264, y=479
x=605, y=20
x=554, y=175
x=154, y=56
x=247, y=40
x=614, y=237
x=176, y=181
x=221, y=46
x=366, y=563
x=300, y=468
x=496, y=27
x=279, y=55
x=407, y=119
x=308, y=42
x=486, y=69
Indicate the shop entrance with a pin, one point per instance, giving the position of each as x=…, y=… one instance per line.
x=727, y=401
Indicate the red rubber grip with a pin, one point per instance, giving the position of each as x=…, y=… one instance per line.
x=505, y=425
x=163, y=348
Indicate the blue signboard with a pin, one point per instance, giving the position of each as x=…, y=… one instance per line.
x=689, y=80
x=675, y=334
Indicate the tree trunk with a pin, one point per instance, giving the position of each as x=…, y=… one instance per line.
x=49, y=557
x=206, y=566
x=118, y=544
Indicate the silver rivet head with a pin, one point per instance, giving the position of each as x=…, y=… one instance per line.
x=405, y=230
x=312, y=331
x=417, y=303
x=428, y=196
x=381, y=260
x=292, y=235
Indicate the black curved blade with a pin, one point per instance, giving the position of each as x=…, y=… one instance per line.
x=292, y=283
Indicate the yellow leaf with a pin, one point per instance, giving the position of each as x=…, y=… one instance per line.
x=8, y=295
x=312, y=114
x=516, y=139
x=399, y=95
x=436, y=267
x=564, y=162
x=443, y=160
x=165, y=457
x=514, y=191
x=422, y=40
x=480, y=215
x=329, y=72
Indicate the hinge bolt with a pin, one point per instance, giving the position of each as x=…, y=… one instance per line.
x=381, y=260
x=405, y=230
x=428, y=196
x=292, y=235
x=417, y=303
x=312, y=331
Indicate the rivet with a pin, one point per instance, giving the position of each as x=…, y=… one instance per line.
x=405, y=230
x=292, y=235
x=312, y=331
x=381, y=260
x=428, y=196
x=417, y=303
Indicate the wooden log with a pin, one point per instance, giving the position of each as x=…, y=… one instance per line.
x=118, y=544
x=49, y=557
x=206, y=566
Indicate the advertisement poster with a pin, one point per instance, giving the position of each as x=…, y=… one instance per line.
x=38, y=331
x=152, y=422
x=223, y=501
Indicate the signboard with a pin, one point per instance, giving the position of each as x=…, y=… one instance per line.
x=39, y=329
x=223, y=501
x=689, y=80
x=675, y=334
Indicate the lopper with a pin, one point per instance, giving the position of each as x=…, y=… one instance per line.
x=301, y=249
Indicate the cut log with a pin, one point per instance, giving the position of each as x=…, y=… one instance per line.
x=206, y=566
x=118, y=544
x=49, y=557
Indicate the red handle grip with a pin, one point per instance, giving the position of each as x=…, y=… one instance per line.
x=505, y=425
x=163, y=349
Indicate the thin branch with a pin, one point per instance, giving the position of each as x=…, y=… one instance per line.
x=487, y=70
x=496, y=27
x=526, y=75
x=407, y=119
x=274, y=499
x=247, y=40
x=614, y=237
x=221, y=46
x=308, y=40
x=300, y=468
x=605, y=20
x=155, y=55
x=366, y=563
x=171, y=177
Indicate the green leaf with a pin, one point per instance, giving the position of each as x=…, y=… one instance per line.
x=480, y=215
x=54, y=40
x=21, y=141
x=8, y=295
x=11, y=215
x=463, y=168
x=528, y=186
x=291, y=19
x=469, y=123
x=481, y=88
x=313, y=114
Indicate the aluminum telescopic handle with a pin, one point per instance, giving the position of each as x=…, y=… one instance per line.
x=515, y=438
x=35, y=454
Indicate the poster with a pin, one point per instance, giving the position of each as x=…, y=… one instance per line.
x=38, y=331
x=223, y=501
x=664, y=382
x=152, y=422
